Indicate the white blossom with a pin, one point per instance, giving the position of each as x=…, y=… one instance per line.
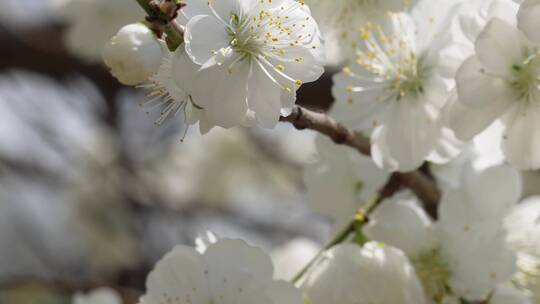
x=98, y=296
x=397, y=85
x=228, y=272
x=173, y=95
x=341, y=181
x=501, y=82
x=222, y=158
x=523, y=225
x=339, y=20
x=254, y=55
x=475, y=15
x=452, y=250
x=374, y=273
x=91, y=23
x=481, y=153
x=133, y=54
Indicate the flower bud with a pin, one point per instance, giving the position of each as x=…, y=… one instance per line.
x=133, y=54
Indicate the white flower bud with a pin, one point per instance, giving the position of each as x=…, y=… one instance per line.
x=133, y=54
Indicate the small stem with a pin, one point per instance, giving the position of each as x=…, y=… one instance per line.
x=339, y=238
x=177, y=26
x=174, y=38
x=166, y=23
x=145, y=4
x=359, y=219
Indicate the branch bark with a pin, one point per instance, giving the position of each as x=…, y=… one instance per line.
x=424, y=187
x=303, y=118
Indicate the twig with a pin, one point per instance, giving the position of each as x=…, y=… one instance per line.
x=161, y=17
x=339, y=238
x=418, y=182
x=303, y=118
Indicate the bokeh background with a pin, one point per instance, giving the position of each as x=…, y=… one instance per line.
x=93, y=194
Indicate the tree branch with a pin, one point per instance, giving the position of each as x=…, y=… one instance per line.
x=418, y=182
x=161, y=17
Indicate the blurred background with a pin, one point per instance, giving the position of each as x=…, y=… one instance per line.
x=93, y=194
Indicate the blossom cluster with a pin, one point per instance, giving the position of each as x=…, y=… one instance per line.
x=447, y=87
x=254, y=55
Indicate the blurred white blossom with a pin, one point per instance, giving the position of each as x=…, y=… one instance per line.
x=341, y=181
x=374, y=273
x=91, y=23
x=340, y=19
x=187, y=276
x=451, y=251
x=523, y=224
x=397, y=84
x=500, y=82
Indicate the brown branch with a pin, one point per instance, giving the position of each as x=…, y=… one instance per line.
x=303, y=118
x=418, y=182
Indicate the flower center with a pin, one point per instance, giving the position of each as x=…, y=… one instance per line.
x=244, y=37
x=408, y=77
x=526, y=78
x=528, y=276
x=434, y=273
x=392, y=61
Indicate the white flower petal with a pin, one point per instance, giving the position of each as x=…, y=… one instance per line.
x=357, y=105
x=349, y=274
x=467, y=122
x=523, y=225
x=299, y=64
x=521, y=143
x=263, y=97
x=467, y=235
x=236, y=269
x=448, y=148
x=201, y=50
x=402, y=224
x=528, y=15
x=499, y=46
x=180, y=277
x=476, y=89
x=222, y=92
x=325, y=184
x=228, y=272
x=379, y=150
x=473, y=276
x=341, y=175
x=413, y=130
x=494, y=190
